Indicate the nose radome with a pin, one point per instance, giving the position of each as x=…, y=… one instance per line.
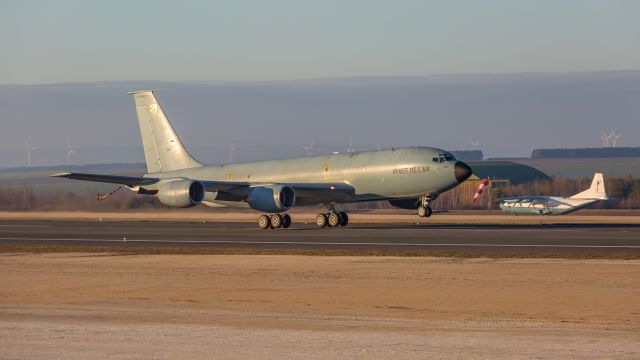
x=462, y=171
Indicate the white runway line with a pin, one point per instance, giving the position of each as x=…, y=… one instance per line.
x=248, y=242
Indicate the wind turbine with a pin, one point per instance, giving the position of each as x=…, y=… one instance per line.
x=70, y=152
x=614, y=137
x=350, y=148
x=605, y=139
x=307, y=148
x=29, y=149
x=232, y=149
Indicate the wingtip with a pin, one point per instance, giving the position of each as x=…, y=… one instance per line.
x=61, y=174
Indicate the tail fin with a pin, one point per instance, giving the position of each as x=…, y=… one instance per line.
x=163, y=150
x=596, y=191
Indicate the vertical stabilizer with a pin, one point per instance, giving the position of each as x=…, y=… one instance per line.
x=163, y=150
x=596, y=191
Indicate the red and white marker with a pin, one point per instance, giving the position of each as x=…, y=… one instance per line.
x=483, y=185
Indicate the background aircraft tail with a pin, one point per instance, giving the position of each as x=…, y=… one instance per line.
x=163, y=150
x=596, y=191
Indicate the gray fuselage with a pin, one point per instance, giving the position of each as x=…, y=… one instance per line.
x=374, y=175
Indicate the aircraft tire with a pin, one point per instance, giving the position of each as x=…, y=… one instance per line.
x=334, y=219
x=276, y=221
x=422, y=211
x=344, y=218
x=264, y=222
x=286, y=221
x=321, y=220
x=429, y=211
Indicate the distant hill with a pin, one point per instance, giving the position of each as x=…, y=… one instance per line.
x=510, y=114
x=468, y=155
x=579, y=168
x=609, y=152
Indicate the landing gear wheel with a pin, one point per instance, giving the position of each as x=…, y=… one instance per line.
x=429, y=211
x=286, y=221
x=344, y=218
x=264, y=222
x=334, y=219
x=424, y=211
x=321, y=220
x=276, y=220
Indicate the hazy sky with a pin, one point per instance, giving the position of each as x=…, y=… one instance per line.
x=77, y=41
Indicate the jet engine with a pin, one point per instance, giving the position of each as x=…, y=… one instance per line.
x=181, y=193
x=271, y=199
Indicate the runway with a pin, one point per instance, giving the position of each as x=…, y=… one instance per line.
x=596, y=239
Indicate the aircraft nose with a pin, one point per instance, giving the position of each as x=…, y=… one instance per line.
x=462, y=171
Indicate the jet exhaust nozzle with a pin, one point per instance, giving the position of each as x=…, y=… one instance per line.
x=462, y=171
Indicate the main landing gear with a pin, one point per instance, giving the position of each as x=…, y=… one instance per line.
x=424, y=210
x=274, y=221
x=332, y=218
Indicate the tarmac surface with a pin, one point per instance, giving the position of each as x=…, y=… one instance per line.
x=579, y=238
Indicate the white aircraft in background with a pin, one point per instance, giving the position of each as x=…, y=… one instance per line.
x=556, y=205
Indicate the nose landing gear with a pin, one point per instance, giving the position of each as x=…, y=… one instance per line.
x=424, y=210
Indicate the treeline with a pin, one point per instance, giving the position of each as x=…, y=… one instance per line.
x=624, y=191
x=26, y=198
x=585, y=153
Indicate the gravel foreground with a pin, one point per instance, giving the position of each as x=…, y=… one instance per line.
x=78, y=306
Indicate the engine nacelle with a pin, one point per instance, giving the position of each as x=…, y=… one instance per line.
x=181, y=193
x=271, y=199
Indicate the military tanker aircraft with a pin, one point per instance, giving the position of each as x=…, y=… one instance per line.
x=555, y=205
x=409, y=178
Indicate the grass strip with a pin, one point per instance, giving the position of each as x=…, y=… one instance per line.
x=124, y=250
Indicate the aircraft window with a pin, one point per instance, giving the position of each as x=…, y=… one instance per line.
x=448, y=156
x=443, y=158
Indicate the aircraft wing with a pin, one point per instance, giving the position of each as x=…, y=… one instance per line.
x=130, y=181
x=305, y=192
x=315, y=193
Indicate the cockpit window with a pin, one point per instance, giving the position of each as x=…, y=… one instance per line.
x=443, y=157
